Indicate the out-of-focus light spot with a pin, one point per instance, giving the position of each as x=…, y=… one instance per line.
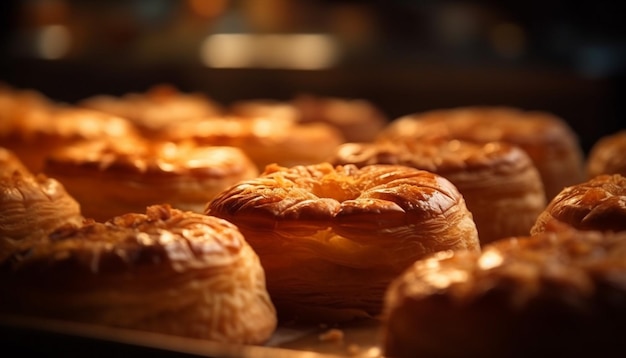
x=208, y=8
x=490, y=259
x=293, y=51
x=508, y=40
x=53, y=42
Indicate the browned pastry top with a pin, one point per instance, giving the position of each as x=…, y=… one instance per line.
x=439, y=156
x=10, y=163
x=154, y=158
x=597, y=204
x=483, y=124
x=608, y=155
x=162, y=236
x=563, y=264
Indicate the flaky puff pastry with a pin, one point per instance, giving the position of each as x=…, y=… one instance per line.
x=558, y=294
x=332, y=238
x=154, y=109
x=31, y=207
x=499, y=182
x=547, y=139
x=164, y=271
x=33, y=137
x=265, y=140
x=111, y=178
x=597, y=204
x=608, y=155
x=358, y=120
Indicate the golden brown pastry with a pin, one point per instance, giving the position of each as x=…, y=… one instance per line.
x=155, y=108
x=500, y=185
x=164, y=271
x=33, y=137
x=32, y=206
x=608, y=155
x=111, y=178
x=558, y=294
x=265, y=140
x=548, y=140
x=597, y=204
x=10, y=163
x=332, y=238
x=357, y=119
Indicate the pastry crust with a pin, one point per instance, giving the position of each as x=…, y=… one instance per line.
x=607, y=155
x=151, y=111
x=597, y=204
x=546, y=138
x=10, y=163
x=32, y=138
x=111, y=178
x=165, y=271
x=31, y=207
x=500, y=185
x=331, y=238
x=265, y=140
x=560, y=293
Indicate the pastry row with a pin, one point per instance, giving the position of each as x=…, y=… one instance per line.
x=325, y=234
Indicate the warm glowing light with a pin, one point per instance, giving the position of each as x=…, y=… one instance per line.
x=208, y=8
x=293, y=51
x=54, y=42
x=490, y=259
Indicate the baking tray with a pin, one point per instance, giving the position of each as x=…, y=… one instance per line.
x=38, y=336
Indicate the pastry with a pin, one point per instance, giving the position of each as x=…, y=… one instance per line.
x=152, y=110
x=165, y=271
x=32, y=137
x=111, y=178
x=606, y=156
x=10, y=163
x=31, y=207
x=597, y=204
x=357, y=119
x=265, y=140
x=500, y=185
x=331, y=238
x=557, y=294
x=548, y=140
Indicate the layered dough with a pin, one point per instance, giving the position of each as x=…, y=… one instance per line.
x=265, y=140
x=165, y=271
x=558, y=294
x=331, y=238
x=151, y=111
x=607, y=155
x=111, y=178
x=500, y=185
x=546, y=138
x=597, y=204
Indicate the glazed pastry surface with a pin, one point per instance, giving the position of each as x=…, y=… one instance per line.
x=512, y=299
x=546, y=138
x=332, y=237
x=165, y=271
x=500, y=185
x=597, y=204
x=607, y=155
x=132, y=174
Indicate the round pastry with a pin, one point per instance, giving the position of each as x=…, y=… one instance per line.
x=31, y=207
x=33, y=137
x=558, y=294
x=156, y=108
x=597, y=204
x=357, y=119
x=10, y=163
x=500, y=185
x=548, y=140
x=332, y=238
x=607, y=155
x=265, y=140
x=111, y=178
x=164, y=271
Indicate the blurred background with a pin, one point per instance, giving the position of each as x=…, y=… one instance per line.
x=405, y=56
